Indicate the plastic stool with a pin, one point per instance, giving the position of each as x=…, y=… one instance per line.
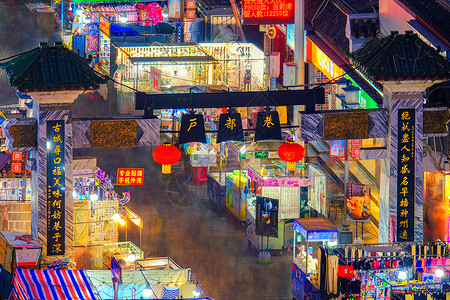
x=200, y=174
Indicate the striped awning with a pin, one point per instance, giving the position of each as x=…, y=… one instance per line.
x=51, y=284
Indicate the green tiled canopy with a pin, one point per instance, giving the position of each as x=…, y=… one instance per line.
x=53, y=68
x=401, y=57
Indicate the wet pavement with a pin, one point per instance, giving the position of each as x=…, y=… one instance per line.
x=180, y=222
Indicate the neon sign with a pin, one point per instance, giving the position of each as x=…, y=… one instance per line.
x=268, y=11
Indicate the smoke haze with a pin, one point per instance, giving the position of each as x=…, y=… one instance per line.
x=20, y=30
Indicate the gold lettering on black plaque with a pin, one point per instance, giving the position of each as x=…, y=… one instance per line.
x=111, y=134
x=24, y=135
x=346, y=125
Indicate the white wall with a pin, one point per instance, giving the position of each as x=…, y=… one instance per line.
x=393, y=17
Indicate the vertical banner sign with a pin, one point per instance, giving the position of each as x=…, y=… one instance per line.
x=337, y=148
x=174, y=9
x=266, y=217
x=230, y=128
x=406, y=174
x=268, y=126
x=192, y=129
x=155, y=78
x=55, y=188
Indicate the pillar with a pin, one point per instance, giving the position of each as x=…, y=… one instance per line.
x=46, y=186
x=401, y=180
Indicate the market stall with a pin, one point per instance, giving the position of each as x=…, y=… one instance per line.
x=270, y=181
x=390, y=271
x=307, y=264
x=236, y=65
x=216, y=190
x=235, y=183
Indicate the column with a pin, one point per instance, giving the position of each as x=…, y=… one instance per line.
x=52, y=182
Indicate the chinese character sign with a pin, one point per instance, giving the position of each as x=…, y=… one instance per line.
x=406, y=174
x=268, y=11
x=130, y=176
x=155, y=79
x=174, y=9
x=17, y=156
x=230, y=128
x=268, y=126
x=192, y=129
x=266, y=217
x=55, y=188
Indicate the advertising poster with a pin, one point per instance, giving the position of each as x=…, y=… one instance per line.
x=301, y=287
x=174, y=9
x=55, y=188
x=337, y=148
x=358, y=202
x=266, y=217
x=318, y=190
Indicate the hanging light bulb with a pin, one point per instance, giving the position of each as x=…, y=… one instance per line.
x=147, y=292
x=439, y=273
x=402, y=275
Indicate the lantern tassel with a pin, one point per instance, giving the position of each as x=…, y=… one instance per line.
x=290, y=166
x=166, y=169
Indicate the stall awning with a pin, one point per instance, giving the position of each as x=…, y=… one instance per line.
x=51, y=284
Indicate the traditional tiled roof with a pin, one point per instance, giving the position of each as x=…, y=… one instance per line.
x=401, y=57
x=329, y=19
x=364, y=27
x=433, y=14
x=53, y=68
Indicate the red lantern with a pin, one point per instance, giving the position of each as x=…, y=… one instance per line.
x=291, y=152
x=166, y=155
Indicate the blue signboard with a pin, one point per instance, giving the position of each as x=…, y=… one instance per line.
x=302, y=288
x=322, y=236
x=55, y=188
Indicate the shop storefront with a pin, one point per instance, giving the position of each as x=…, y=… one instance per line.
x=270, y=181
x=378, y=271
x=239, y=67
x=307, y=265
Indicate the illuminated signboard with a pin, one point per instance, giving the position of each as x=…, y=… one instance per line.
x=337, y=148
x=103, y=25
x=17, y=156
x=406, y=174
x=268, y=11
x=55, y=188
x=16, y=167
x=127, y=176
x=322, y=61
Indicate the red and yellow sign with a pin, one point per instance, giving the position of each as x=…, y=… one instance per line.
x=16, y=167
x=17, y=156
x=268, y=11
x=322, y=61
x=129, y=176
x=103, y=25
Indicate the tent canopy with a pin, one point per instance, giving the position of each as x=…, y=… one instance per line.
x=51, y=284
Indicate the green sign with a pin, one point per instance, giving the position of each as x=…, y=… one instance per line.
x=261, y=155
